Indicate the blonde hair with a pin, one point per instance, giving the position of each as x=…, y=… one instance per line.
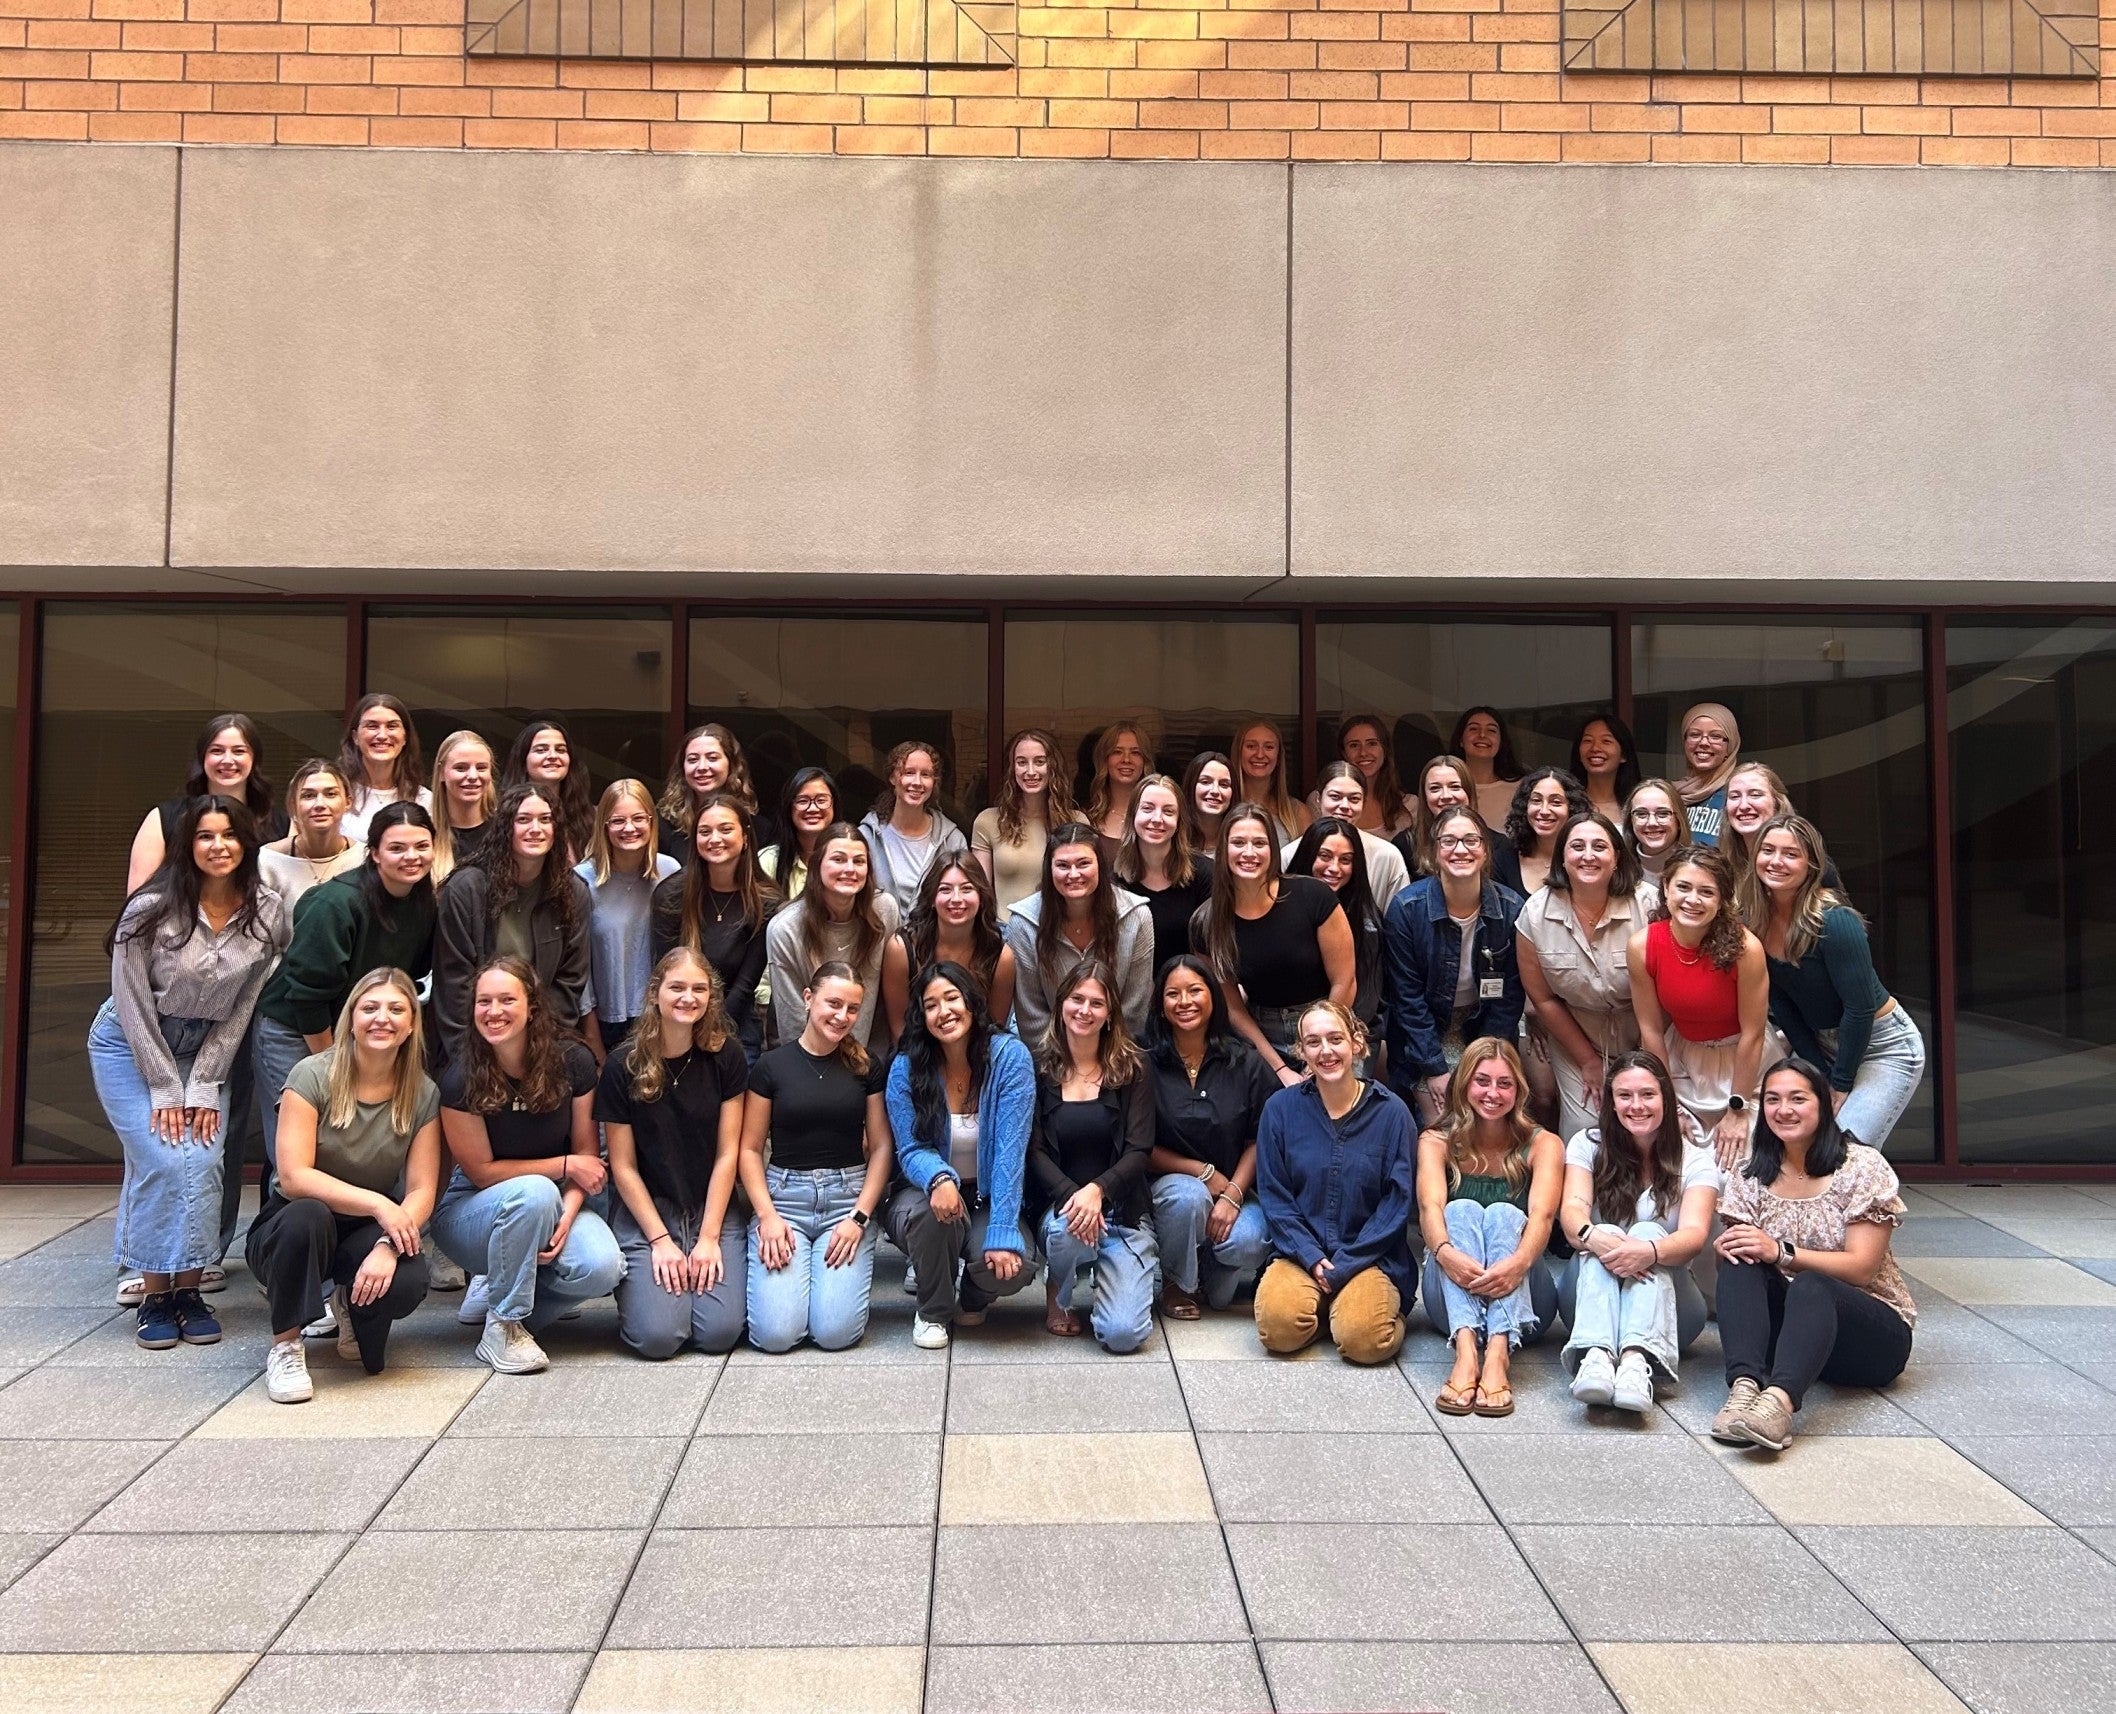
x=445, y=855
x=342, y=1101
x=1117, y=1056
x=1355, y=1031
x=644, y=1062
x=1458, y=1125
x=1288, y=816
x=1180, y=857
x=1101, y=793
x=1810, y=899
x=599, y=853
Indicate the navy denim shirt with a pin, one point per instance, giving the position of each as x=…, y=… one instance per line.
x=1338, y=1189
x=1422, y=951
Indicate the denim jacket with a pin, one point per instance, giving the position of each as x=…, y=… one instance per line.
x=1423, y=953
x=1006, y=1113
x=1338, y=1189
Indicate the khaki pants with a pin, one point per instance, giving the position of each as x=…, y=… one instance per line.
x=1366, y=1313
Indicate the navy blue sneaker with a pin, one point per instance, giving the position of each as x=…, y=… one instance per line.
x=194, y=1321
x=158, y=1325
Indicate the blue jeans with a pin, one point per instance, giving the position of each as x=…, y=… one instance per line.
x=500, y=1231
x=1181, y=1206
x=169, y=1209
x=658, y=1324
x=1127, y=1266
x=1660, y=1315
x=808, y=1298
x=1888, y=1076
x=1488, y=1235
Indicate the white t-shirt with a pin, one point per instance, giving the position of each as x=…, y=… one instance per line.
x=1699, y=1169
x=962, y=1145
x=367, y=799
x=1465, y=974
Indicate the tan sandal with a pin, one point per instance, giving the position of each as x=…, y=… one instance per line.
x=1488, y=1403
x=1452, y=1400
x=1058, y=1319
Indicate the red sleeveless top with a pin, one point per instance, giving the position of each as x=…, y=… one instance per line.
x=1702, y=1001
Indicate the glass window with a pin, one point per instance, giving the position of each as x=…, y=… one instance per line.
x=1188, y=682
x=2031, y=714
x=1837, y=707
x=10, y=662
x=841, y=693
x=125, y=690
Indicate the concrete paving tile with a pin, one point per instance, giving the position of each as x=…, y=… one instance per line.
x=1092, y=1583
x=2090, y=1239
x=1099, y=1478
x=500, y=1484
x=887, y=1340
x=2102, y=1541
x=35, y=1280
x=2101, y=1270
x=652, y=1400
x=85, y=1240
x=1228, y=1337
x=1462, y=1677
x=1691, y=1584
x=114, y=1343
x=1843, y=1479
x=29, y=1336
x=755, y=1681
x=2025, y=1678
x=777, y=1588
x=1131, y=1678
x=1962, y=1237
x=466, y=1592
x=350, y=1404
x=1380, y=1582
x=806, y=1398
x=1590, y=1479
x=19, y=1552
x=1249, y=1398
x=1065, y=1398
x=1923, y=1205
x=1975, y=1585
x=1013, y=1334
x=1827, y=1410
x=1542, y=1405
x=1948, y=1333
x=2070, y=1479
x=1339, y=1479
x=2016, y=1201
x=1789, y=1678
x=2005, y=1398
x=410, y=1684
x=2043, y=1280
x=56, y=1484
x=21, y=1236
x=130, y=1683
x=238, y=1486
x=112, y=1404
x=48, y=1201
x=777, y=1481
x=2068, y=1335
x=147, y=1589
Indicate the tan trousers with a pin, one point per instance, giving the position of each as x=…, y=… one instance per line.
x=1366, y=1313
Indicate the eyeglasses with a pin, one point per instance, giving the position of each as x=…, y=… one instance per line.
x=811, y=803
x=1460, y=842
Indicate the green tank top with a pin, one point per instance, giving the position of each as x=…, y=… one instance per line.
x=1487, y=1190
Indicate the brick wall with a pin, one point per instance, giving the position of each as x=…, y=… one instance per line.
x=1462, y=80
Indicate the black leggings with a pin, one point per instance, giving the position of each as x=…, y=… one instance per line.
x=1792, y=1333
x=294, y=1245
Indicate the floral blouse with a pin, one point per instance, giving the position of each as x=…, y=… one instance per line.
x=1863, y=1188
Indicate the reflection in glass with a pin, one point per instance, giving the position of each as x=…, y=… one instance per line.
x=2031, y=710
x=10, y=660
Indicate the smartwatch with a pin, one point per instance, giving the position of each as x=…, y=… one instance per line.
x=1737, y=1104
x=1785, y=1252
x=859, y=1217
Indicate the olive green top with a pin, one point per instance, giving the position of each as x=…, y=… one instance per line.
x=1487, y=1190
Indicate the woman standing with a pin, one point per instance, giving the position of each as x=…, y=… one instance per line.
x=1278, y=943
x=188, y=957
x=1480, y=738
x=670, y=1103
x=1209, y=1093
x=1702, y=995
x=1825, y=994
x=517, y=1112
x=1808, y=1290
x=514, y=899
x=622, y=871
x=1637, y=1210
x=841, y=918
x=1543, y=802
x=720, y=905
x=542, y=756
x=224, y=762
x=380, y=755
x=1155, y=862
x=317, y=798
x=962, y=1105
x=1208, y=794
x=818, y=1103
x=1443, y=784
x=1605, y=762
x=808, y=808
x=1076, y=916
x=1756, y=795
x=1363, y=741
x=709, y=759
x=1334, y=852
x=1342, y=793
x=1094, y=1145
x=906, y=834
x=953, y=921
x=462, y=771
x=1122, y=758
x=1488, y=1184
x=1333, y=1172
x=1034, y=796
x=1657, y=826
x=1573, y=941
x=1711, y=747
x=1451, y=965
x=359, y=1168
x=1261, y=778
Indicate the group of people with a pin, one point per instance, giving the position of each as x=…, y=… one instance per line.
x=1568, y=1047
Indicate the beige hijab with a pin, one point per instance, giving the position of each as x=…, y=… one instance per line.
x=1694, y=786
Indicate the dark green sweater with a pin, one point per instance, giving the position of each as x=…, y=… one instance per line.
x=337, y=940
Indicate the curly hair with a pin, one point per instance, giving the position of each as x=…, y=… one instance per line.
x=1724, y=935
x=1517, y=829
x=495, y=858
x=543, y=1087
x=1057, y=790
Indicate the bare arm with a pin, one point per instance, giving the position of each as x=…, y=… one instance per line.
x=1645, y=1003
x=1001, y=1000
x=1340, y=956
x=147, y=852
x=896, y=986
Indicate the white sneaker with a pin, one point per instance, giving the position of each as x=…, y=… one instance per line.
x=342, y=1314
x=929, y=1335
x=475, y=1307
x=1634, y=1383
x=325, y=1326
x=441, y=1272
x=287, y=1374
x=1595, y=1384
x=511, y=1349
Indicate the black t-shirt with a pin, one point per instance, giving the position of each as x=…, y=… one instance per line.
x=818, y=1107
x=514, y=1133
x=1172, y=907
x=677, y=1136
x=1278, y=957
x=1216, y=1120
x=1086, y=1136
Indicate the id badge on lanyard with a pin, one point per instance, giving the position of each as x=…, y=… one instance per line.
x=1490, y=986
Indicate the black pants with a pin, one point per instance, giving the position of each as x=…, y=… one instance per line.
x=242, y=1140
x=294, y=1245
x=1792, y=1333
x=936, y=1246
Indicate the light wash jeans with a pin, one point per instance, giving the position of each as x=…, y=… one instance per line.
x=1887, y=1078
x=808, y=1298
x=500, y=1231
x=1127, y=1266
x=658, y=1324
x=169, y=1209
x=1487, y=1235
x=1181, y=1206
x=1660, y=1315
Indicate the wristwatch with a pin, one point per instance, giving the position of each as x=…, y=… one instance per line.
x=859, y=1217
x=1786, y=1248
x=1737, y=1103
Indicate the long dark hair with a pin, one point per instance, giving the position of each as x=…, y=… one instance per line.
x=677, y=806
x=926, y=1057
x=174, y=886
x=1831, y=1144
x=1219, y=941
x=495, y=859
x=815, y=915
x=1384, y=790
x=1517, y=829
x=543, y=1087
x=1504, y=766
x=257, y=789
x=573, y=809
x=1618, y=1177
x=759, y=897
x=1117, y=1054
x=1102, y=908
x=921, y=929
x=789, y=835
x=1628, y=770
x=407, y=774
x=1357, y=895
x=1160, y=1038
x=405, y=812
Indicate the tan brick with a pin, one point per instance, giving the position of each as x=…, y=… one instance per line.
x=1334, y=85
x=669, y=75
x=1514, y=146
x=326, y=11
x=1784, y=150
x=1517, y=27
x=403, y=133
x=510, y=133
x=1425, y=86
x=1095, y=115
x=349, y=130
x=1443, y=27
x=1528, y=57
x=1070, y=81
x=1706, y=117
x=1873, y=151
x=791, y=79
x=1607, y=146
x=1619, y=116
x=1689, y=147
x=231, y=11
x=1354, y=145
x=1066, y=145
x=1180, y=56
x=511, y=74
x=1273, y=115
x=1997, y=122
x=272, y=39
x=165, y=97
x=898, y=111
x=1094, y=53
x=697, y=139
x=1270, y=56
x=1454, y=56
x=352, y=39
x=880, y=80
x=990, y=83
x=881, y=140
x=976, y=140
x=1361, y=56
x=1154, y=145
x=1187, y=115
x=647, y=104
x=1052, y=21
x=428, y=39
x=171, y=10
x=444, y=103
x=136, y=127
x=1694, y=86
x=1905, y=121
x=2090, y=122
x=1366, y=116
x=418, y=11
x=257, y=97
x=1785, y=91
x=1874, y=91
x=1335, y=27
x=67, y=97
x=1815, y=121
x=349, y=98
x=398, y=68
x=47, y=127
x=231, y=68
x=251, y=128
x=137, y=68
x=165, y=38
x=1128, y=85
x=1625, y=89
x=1425, y=146
x=21, y=11
x=602, y=134
x=1155, y=26
x=72, y=33
x=2055, y=152
x=325, y=68
x=1454, y=116
x=723, y=106
x=537, y=103
x=1965, y=151
x=1246, y=145
x=788, y=109
x=1544, y=116
x=1244, y=27
x=1965, y=91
